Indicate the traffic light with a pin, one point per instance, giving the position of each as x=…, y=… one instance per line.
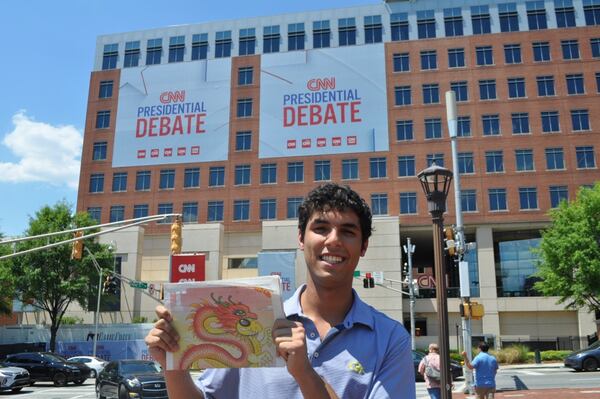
x=477, y=310
x=176, y=236
x=465, y=310
x=77, y=249
x=368, y=281
x=111, y=285
x=449, y=240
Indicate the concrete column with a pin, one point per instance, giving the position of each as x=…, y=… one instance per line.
x=487, y=281
x=209, y=239
x=586, y=325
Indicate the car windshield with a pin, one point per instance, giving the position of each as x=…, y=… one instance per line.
x=146, y=367
x=54, y=358
x=594, y=345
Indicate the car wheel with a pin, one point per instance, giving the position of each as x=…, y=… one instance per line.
x=123, y=394
x=60, y=379
x=31, y=383
x=98, y=395
x=79, y=382
x=590, y=364
x=17, y=389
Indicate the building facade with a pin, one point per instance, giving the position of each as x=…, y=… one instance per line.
x=231, y=123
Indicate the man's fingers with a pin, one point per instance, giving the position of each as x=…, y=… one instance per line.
x=160, y=338
x=163, y=313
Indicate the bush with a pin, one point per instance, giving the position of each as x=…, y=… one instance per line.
x=139, y=319
x=512, y=354
x=554, y=355
x=70, y=320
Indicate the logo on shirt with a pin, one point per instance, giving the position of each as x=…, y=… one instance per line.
x=356, y=367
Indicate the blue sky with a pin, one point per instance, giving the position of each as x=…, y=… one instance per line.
x=47, y=56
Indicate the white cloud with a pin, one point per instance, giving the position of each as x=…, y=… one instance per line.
x=49, y=154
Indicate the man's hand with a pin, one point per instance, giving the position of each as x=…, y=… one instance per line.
x=290, y=343
x=162, y=338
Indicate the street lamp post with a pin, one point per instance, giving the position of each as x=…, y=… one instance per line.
x=435, y=181
x=99, y=269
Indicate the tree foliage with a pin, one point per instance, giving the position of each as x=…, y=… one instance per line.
x=6, y=283
x=49, y=279
x=569, y=262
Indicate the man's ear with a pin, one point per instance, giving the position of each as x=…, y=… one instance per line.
x=365, y=245
x=300, y=240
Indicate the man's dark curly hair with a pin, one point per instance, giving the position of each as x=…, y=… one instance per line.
x=334, y=197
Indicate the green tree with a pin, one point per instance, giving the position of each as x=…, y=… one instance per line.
x=49, y=278
x=6, y=283
x=569, y=262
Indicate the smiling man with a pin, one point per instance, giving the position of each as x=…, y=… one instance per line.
x=333, y=343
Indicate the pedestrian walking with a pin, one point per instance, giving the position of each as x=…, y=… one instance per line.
x=485, y=366
x=429, y=367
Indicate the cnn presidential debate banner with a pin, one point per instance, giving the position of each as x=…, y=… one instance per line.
x=173, y=113
x=323, y=101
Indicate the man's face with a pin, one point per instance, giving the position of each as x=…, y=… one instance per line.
x=332, y=247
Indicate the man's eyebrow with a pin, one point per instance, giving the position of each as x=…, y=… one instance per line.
x=345, y=225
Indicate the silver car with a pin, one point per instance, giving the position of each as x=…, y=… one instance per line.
x=13, y=378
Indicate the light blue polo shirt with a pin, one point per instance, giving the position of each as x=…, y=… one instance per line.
x=486, y=367
x=367, y=356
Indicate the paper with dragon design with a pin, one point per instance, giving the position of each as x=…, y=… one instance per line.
x=225, y=324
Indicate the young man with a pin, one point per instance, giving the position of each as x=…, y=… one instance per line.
x=334, y=344
x=485, y=367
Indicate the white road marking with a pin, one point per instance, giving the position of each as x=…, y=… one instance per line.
x=526, y=372
x=516, y=395
x=589, y=391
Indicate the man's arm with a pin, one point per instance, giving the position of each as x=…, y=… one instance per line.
x=467, y=362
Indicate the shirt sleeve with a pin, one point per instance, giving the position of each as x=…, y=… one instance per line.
x=421, y=369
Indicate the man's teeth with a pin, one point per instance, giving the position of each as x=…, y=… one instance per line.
x=331, y=259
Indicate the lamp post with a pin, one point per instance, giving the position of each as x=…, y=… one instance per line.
x=99, y=269
x=435, y=181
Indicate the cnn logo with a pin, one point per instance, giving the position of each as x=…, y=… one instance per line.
x=321, y=84
x=172, y=96
x=187, y=268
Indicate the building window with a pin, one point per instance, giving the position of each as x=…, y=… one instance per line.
x=550, y=121
x=347, y=31
x=528, y=198
x=465, y=163
x=512, y=53
x=536, y=15
x=378, y=168
x=268, y=209
x=433, y=128
x=97, y=183
x=119, y=183
x=295, y=172
x=453, y=22
x=497, y=197
x=103, y=120
x=480, y=20
x=350, y=169
x=379, y=204
x=402, y=95
x=271, y=39
x=487, y=89
x=165, y=208
x=95, y=213
x=223, y=44
x=167, y=179
x=565, y=13
x=494, y=161
x=437, y=158
x=460, y=89
x=142, y=180
x=191, y=178
x=373, y=29
x=241, y=210
x=117, y=213
x=524, y=160
x=509, y=18
x=468, y=200
x=598, y=82
x=245, y=76
x=106, y=89
x=484, y=55
x=491, y=125
x=296, y=36
x=516, y=87
x=520, y=123
x=322, y=170
x=456, y=58
x=426, y=24
x=199, y=46
x=321, y=34
x=399, y=26
x=431, y=93
x=109, y=56
x=293, y=203
x=214, y=212
x=555, y=159
x=216, y=176
x=99, y=152
x=580, y=120
x=153, y=51
x=268, y=173
x=190, y=212
x=176, y=48
x=244, y=108
x=595, y=47
x=575, y=84
x=558, y=194
x=404, y=130
x=406, y=165
x=585, y=157
x=243, y=141
x=247, y=42
x=463, y=126
x=408, y=203
x=541, y=51
x=545, y=85
x=132, y=54
x=570, y=49
x=401, y=62
x=428, y=60
x=591, y=9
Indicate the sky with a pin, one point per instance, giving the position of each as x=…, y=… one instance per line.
x=46, y=57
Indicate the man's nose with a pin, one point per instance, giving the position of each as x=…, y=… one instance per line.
x=333, y=238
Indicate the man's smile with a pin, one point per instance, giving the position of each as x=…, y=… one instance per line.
x=332, y=259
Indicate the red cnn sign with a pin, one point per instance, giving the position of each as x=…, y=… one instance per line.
x=187, y=267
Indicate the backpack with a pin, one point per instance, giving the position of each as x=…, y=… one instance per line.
x=431, y=372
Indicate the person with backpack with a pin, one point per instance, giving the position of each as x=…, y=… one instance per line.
x=430, y=369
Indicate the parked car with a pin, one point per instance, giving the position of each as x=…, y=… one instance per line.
x=131, y=379
x=46, y=366
x=13, y=378
x=94, y=363
x=455, y=367
x=587, y=359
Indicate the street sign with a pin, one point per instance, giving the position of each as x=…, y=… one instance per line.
x=378, y=276
x=138, y=284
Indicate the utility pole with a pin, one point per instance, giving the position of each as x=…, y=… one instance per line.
x=410, y=249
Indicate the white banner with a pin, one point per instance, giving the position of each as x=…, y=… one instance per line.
x=324, y=101
x=173, y=113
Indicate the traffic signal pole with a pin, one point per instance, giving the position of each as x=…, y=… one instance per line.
x=97, y=314
x=410, y=249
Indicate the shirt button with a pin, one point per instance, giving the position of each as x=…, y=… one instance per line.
x=312, y=334
x=316, y=354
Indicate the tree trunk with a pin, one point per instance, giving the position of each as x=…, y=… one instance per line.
x=53, y=331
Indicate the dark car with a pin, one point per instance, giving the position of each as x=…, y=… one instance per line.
x=455, y=367
x=131, y=379
x=587, y=359
x=13, y=378
x=46, y=366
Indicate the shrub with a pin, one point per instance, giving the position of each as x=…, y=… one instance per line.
x=70, y=320
x=139, y=319
x=512, y=354
x=554, y=355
